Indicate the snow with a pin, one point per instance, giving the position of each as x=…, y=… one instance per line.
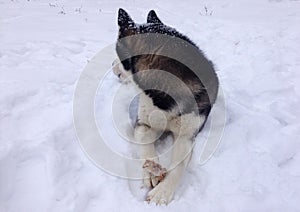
x=46, y=44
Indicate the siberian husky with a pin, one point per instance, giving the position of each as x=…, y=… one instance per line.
x=161, y=99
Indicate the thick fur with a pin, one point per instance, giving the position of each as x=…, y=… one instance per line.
x=158, y=111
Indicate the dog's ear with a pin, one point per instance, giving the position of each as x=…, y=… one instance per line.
x=124, y=20
x=152, y=18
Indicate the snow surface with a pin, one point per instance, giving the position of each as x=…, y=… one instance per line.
x=45, y=45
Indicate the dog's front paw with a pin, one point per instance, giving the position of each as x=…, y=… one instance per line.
x=162, y=194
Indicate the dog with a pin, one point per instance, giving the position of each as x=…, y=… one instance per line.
x=165, y=105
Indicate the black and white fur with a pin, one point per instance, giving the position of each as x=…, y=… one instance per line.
x=181, y=120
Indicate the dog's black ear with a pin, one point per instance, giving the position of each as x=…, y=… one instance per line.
x=124, y=19
x=152, y=18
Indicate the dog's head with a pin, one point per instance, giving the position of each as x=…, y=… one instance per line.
x=133, y=43
x=127, y=27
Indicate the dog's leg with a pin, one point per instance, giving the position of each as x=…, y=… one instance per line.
x=146, y=137
x=164, y=191
x=184, y=130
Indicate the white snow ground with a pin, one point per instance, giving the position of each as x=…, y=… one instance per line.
x=45, y=45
